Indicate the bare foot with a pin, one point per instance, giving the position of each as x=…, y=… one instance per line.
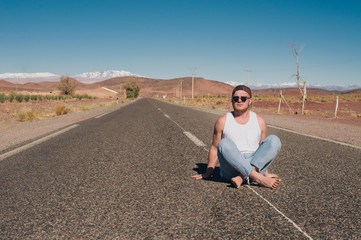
x=270, y=175
x=269, y=182
x=264, y=181
x=237, y=181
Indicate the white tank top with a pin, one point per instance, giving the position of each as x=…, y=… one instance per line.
x=247, y=136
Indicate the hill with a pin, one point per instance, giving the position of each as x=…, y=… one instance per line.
x=149, y=87
x=173, y=87
x=159, y=87
x=41, y=87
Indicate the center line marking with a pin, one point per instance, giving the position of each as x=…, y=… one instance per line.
x=288, y=219
x=29, y=145
x=194, y=139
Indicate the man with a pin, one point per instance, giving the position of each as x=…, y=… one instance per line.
x=239, y=140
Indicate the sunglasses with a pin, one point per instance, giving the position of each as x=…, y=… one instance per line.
x=243, y=99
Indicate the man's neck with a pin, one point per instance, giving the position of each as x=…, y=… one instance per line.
x=241, y=114
x=241, y=117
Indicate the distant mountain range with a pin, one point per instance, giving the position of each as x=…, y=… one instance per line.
x=149, y=87
x=87, y=77
x=93, y=77
x=29, y=77
x=294, y=85
x=156, y=87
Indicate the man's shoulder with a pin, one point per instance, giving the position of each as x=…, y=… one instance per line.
x=223, y=117
x=221, y=121
x=260, y=119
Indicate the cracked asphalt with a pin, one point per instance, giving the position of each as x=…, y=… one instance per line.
x=126, y=175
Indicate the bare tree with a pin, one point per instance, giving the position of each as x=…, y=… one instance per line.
x=296, y=52
x=67, y=85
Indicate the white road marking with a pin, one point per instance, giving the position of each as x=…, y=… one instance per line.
x=288, y=219
x=312, y=136
x=29, y=145
x=194, y=139
x=167, y=116
x=101, y=115
x=198, y=142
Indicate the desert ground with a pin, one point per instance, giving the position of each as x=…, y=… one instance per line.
x=349, y=108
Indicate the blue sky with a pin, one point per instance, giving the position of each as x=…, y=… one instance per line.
x=168, y=38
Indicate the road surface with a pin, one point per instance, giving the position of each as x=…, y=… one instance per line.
x=126, y=175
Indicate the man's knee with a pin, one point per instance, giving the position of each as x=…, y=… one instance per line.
x=225, y=144
x=274, y=141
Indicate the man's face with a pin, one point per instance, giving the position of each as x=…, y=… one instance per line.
x=240, y=105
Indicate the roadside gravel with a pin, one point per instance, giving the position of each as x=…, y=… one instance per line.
x=326, y=128
x=334, y=129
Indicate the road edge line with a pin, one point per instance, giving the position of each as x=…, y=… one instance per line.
x=29, y=145
x=313, y=136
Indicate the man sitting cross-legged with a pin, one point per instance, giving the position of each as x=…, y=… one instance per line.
x=239, y=140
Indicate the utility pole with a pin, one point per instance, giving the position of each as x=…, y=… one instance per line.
x=181, y=89
x=193, y=82
x=248, y=76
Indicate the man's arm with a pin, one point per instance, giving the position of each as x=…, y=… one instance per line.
x=212, y=156
x=263, y=126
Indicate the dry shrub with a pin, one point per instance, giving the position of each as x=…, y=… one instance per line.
x=88, y=107
x=26, y=114
x=307, y=112
x=62, y=109
x=108, y=104
x=85, y=108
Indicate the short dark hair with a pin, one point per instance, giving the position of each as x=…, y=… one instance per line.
x=243, y=88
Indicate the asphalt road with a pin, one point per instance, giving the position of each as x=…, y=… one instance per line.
x=126, y=175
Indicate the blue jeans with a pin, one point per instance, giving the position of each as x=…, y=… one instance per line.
x=234, y=163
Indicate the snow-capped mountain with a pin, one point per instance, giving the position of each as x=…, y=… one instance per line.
x=87, y=77
x=91, y=77
x=265, y=86
x=294, y=85
x=29, y=77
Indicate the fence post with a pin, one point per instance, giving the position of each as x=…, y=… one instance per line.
x=303, y=97
x=279, y=102
x=336, y=106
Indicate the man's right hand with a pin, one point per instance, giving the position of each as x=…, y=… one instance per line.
x=201, y=176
